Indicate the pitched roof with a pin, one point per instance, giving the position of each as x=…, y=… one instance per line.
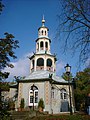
x=36, y=75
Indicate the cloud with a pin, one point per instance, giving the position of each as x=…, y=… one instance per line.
x=60, y=67
x=88, y=62
x=21, y=67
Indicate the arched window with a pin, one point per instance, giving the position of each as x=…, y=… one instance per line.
x=42, y=32
x=40, y=62
x=39, y=32
x=32, y=63
x=49, y=62
x=63, y=94
x=46, y=44
x=33, y=96
x=41, y=44
x=37, y=46
x=45, y=32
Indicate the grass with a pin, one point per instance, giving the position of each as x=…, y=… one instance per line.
x=61, y=117
x=29, y=116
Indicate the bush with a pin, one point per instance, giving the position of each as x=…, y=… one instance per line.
x=41, y=105
x=22, y=103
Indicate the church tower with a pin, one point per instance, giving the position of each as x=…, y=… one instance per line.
x=42, y=58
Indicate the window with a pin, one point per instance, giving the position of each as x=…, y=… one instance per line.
x=33, y=96
x=42, y=32
x=49, y=62
x=40, y=62
x=41, y=44
x=63, y=94
x=36, y=97
x=31, y=99
x=32, y=63
x=45, y=32
x=46, y=44
x=37, y=46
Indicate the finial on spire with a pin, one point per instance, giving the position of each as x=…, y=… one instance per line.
x=43, y=21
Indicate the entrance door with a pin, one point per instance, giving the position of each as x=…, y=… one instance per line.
x=64, y=106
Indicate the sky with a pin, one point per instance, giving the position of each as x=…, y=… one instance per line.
x=22, y=18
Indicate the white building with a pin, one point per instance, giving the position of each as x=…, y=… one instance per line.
x=48, y=86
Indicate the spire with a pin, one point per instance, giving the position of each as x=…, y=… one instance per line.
x=43, y=21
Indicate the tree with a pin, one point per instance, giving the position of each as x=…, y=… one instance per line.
x=4, y=86
x=74, y=25
x=7, y=46
x=11, y=104
x=66, y=77
x=41, y=105
x=82, y=88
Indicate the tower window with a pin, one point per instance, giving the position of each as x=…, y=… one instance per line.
x=32, y=63
x=49, y=62
x=39, y=32
x=40, y=62
x=42, y=32
x=46, y=44
x=37, y=46
x=45, y=32
x=41, y=44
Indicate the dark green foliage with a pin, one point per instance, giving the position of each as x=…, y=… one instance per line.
x=61, y=117
x=41, y=103
x=82, y=88
x=7, y=46
x=11, y=104
x=66, y=77
x=22, y=103
x=4, y=86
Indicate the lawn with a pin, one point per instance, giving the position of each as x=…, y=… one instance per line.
x=61, y=117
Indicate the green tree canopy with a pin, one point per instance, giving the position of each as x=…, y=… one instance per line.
x=66, y=77
x=7, y=46
x=82, y=86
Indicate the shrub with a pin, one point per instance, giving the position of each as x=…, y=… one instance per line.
x=41, y=104
x=22, y=103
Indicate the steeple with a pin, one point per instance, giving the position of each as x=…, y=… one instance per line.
x=42, y=58
x=43, y=21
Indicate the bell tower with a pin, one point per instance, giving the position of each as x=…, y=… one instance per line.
x=43, y=41
x=42, y=58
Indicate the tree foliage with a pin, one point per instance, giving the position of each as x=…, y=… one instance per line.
x=11, y=104
x=83, y=87
x=22, y=103
x=74, y=25
x=66, y=77
x=4, y=86
x=7, y=46
x=41, y=104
